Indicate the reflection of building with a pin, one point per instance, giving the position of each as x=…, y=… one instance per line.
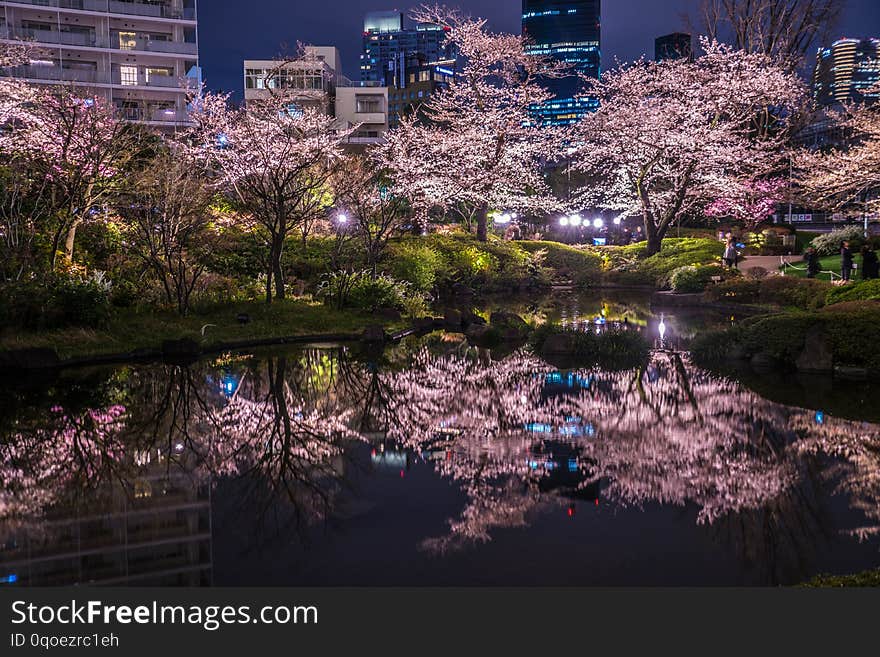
x=568, y=30
x=677, y=45
x=140, y=56
x=157, y=534
x=847, y=71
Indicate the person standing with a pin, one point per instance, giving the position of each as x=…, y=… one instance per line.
x=870, y=264
x=812, y=258
x=846, y=262
x=730, y=253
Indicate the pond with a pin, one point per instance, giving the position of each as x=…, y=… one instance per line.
x=439, y=463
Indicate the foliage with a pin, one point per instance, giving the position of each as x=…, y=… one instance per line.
x=867, y=578
x=417, y=262
x=786, y=291
x=629, y=264
x=61, y=299
x=361, y=290
x=695, y=278
x=831, y=243
x=580, y=266
x=860, y=291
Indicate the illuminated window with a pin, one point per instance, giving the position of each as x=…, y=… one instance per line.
x=127, y=41
x=128, y=75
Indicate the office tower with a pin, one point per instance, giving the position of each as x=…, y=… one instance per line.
x=677, y=45
x=568, y=30
x=847, y=71
x=389, y=46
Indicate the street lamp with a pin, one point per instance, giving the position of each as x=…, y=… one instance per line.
x=598, y=223
x=563, y=221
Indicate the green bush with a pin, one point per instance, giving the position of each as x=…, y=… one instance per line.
x=804, y=293
x=57, y=301
x=695, y=278
x=861, y=291
x=417, y=263
x=737, y=290
x=830, y=243
x=582, y=267
x=628, y=264
x=345, y=289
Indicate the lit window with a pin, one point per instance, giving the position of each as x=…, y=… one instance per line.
x=128, y=75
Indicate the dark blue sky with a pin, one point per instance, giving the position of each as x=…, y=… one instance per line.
x=230, y=33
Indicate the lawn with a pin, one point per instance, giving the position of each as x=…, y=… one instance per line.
x=131, y=330
x=828, y=263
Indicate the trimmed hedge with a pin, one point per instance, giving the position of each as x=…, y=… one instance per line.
x=785, y=291
x=628, y=264
x=580, y=266
x=695, y=278
x=861, y=291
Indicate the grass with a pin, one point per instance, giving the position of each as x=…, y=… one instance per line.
x=147, y=329
x=864, y=579
x=828, y=263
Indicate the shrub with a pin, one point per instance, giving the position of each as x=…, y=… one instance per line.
x=582, y=267
x=862, y=291
x=830, y=243
x=59, y=300
x=695, y=278
x=804, y=293
x=343, y=289
x=738, y=290
x=417, y=263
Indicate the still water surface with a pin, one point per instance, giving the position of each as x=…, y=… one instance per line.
x=439, y=463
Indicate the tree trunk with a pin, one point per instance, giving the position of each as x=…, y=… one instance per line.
x=655, y=236
x=483, y=222
x=69, y=241
x=278, y=248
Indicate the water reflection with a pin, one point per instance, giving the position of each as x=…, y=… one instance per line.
x=116, y=477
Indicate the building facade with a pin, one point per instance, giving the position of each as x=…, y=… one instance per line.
x=678, y=45
x=309, y=81
x=847, y=71
x=143, y=57
x=570, y=31
x=388, y=46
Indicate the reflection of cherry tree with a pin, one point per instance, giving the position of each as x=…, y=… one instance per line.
x=669, y=433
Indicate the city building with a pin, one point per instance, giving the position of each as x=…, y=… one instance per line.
x=847, y=71
x=422, y=81
x=309, y=81
x=678, y=45
x=568, y=30
x=315, y=81
x=388, y=45
x=141, y=56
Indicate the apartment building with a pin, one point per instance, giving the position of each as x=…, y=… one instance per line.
x=142, y=56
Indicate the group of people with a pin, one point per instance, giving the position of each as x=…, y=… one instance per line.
x=870, y=263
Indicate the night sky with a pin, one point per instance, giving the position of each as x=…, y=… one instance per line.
x=231, y=31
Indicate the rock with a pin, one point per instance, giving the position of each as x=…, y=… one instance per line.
x=763, y=361
x=374, y=333
x=462, y=290
x=391, y=314
x=510, y=325
x=183, y=349
x=851, y=373
x=558, y=343
x=469, y=317
x=817, y=355
x=34, y=358
x=452, y=319
x=480, y=333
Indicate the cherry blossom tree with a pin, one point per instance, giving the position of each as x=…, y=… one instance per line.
x=80, y=148
x=364, y=198
x=751, y=201
x=841, y=175
x=475, y=147
x=275, y=160
x=167, y=217
x=670, y=138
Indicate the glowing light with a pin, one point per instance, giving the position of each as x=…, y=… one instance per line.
x=617, y=221
x=563, y=221
x=9, y=579
x=598, y=223
x=662, y=328
x=820, y=417
x=575, y=220
x=342, y=218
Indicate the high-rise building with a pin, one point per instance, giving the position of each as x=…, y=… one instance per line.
x=388, y=46
x=847, y=71
x=568, y=30
x=678, y=45
x=141, y=56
